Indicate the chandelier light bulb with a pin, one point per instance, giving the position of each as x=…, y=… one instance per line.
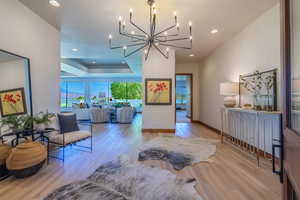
x=110, y=36
x=145, y=51
x=175, y=13
x=190, y=23
x=131, y=10
x=165, y=33
x=120, y=18
x=191, y=38
x=154, y=11
x=154, y=6
x=132, y=32
x=167, y=49
x=124, y=47
x=177, y=25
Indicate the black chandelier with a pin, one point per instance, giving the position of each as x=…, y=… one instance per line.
x=146, y=40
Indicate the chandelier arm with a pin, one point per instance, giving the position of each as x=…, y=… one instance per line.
x=136, y=50
x=131, y=36
x=152, y=31
x=154, y=28
x=178, y=47
x=150, y=18
x=136, y=26
x=137, y=41
x=161, y=36
x=176, y=39
x=171, y=27
x=148, y=50
x=135, y=35
x=129, y=45
x=160, y=51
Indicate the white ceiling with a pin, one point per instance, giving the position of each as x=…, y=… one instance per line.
x=86, y=24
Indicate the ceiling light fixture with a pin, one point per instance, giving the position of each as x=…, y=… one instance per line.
x=214, y=31
x=75, y=49
x=145, y=40
x=54, y=3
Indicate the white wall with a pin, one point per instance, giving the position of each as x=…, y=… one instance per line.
x=192, y=68
x=159, y=117
x=24, y=33
x=257, y=47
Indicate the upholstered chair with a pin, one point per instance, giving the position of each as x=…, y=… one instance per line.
x=67, y=132
x=99, y=115
x=125, y=115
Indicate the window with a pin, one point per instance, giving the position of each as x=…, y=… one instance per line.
x=100, y=92
x=72, y=92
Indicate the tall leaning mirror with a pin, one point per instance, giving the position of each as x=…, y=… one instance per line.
x=15, y=85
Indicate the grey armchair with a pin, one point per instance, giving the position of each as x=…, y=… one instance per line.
x=99, y=115
x=125, y=115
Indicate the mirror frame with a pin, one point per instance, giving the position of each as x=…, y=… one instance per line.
x=30, y=112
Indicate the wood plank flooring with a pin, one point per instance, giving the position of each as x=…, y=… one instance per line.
x=229, y=175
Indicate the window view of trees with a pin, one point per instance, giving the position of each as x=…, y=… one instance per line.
x=126, y=91
x=99, y=92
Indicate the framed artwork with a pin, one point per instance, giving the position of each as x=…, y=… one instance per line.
x=158, y=91
x=259, y=89
x=12, y=102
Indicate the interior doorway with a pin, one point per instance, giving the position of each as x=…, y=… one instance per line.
x=184, y=98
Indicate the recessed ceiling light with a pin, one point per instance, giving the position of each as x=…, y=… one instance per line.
x=214, y=31
x=74, y=49
x=192, y=55
x=54, y=3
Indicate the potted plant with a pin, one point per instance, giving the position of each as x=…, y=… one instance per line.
x=42, y=120
x=254, y=86
x=17, y=122
x=268, y=82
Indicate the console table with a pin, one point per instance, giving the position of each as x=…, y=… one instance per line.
x=258, y=132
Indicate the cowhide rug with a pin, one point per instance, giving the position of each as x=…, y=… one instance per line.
x=179, y=152
x=124, y=180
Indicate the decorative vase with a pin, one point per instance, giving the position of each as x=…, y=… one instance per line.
x=256, y=104
x=40, y=127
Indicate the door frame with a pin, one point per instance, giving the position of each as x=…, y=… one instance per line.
x=291, y=147
x=192, y=94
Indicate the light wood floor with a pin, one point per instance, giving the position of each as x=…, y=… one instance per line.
x=230, y=175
